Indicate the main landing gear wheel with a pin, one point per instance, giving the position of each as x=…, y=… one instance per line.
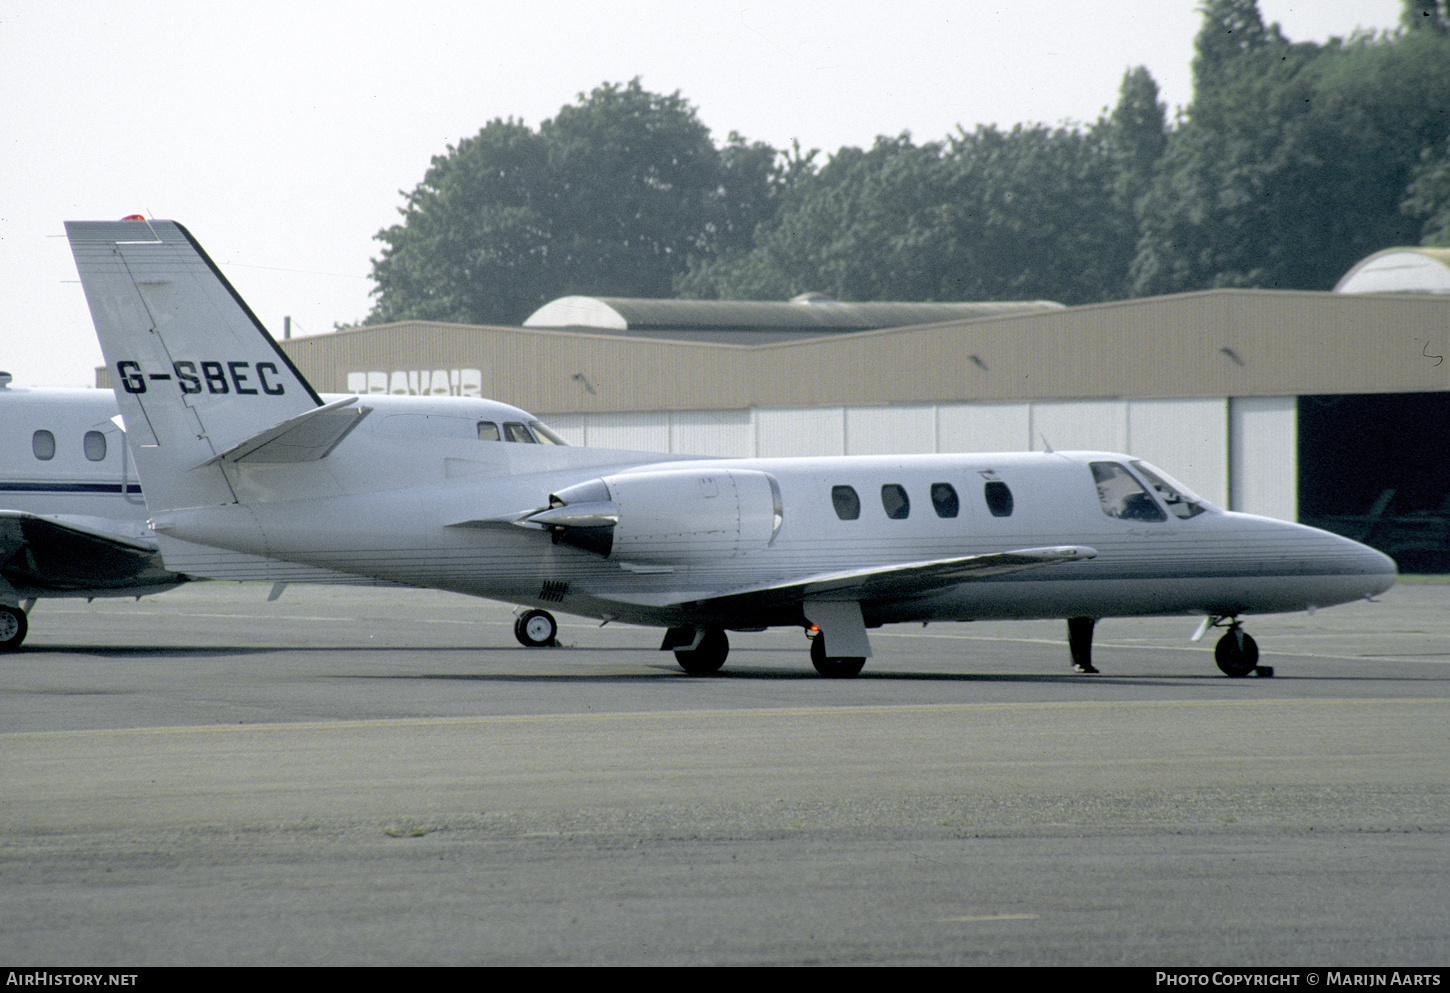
x=1237, y=654
x=13, y=626
x=536, y=629
x=839, y=668
x=706, y=658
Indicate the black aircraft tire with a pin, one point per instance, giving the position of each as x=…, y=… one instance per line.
x=13, y=626
x=536, y=629
x=1235, y=661
x=837, y=668
x=707, y=659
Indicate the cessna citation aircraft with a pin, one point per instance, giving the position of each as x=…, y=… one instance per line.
x=238, y=453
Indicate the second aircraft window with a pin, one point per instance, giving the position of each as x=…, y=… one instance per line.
x=42, y=443
x=846, y=502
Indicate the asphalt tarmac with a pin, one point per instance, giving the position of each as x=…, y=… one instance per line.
x=384, y=777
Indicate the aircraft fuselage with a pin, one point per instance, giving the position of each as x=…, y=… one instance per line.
x=687, y=533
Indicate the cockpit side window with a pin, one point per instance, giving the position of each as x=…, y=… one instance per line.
x=846, y=502
x=487, y=431
x=1122, y=496
x=944, y=500
x=895, y=501
x=1180, y=501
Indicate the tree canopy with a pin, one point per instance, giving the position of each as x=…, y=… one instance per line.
x=1296, y=159
x=1293, y=161
x=611, y=196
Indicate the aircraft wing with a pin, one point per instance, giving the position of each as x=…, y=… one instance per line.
x=50, y=554
x=899, y=581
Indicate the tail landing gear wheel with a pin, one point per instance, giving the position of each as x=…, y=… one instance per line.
x=536, y=629
x=840, y=668
x=1236, y=653
x=706, y=658
x=13, y=626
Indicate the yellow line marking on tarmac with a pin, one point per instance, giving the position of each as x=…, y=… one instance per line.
x=986, y=917
x=696, y=715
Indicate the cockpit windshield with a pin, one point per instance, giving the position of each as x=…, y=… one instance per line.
x=535, y=433
x=1179, y=499
x=545, y=435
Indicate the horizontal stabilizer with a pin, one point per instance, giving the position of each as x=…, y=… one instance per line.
x=305, y=438
x=890, y=582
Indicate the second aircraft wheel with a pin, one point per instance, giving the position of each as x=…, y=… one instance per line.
x=1236, y=653
x=706, y=659
x=838, y=668
x=12, y=627
x=536, y=629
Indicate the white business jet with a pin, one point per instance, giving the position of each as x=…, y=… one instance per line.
x=237, y=453
x=73, y=518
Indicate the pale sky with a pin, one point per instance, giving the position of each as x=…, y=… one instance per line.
x=280, y=133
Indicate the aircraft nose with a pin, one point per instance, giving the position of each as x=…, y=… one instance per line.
x=1377, y=569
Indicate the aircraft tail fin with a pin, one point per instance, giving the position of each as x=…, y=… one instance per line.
x=195, y=373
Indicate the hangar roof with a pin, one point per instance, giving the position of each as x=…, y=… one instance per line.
x=743, y=322
x=1212, y=343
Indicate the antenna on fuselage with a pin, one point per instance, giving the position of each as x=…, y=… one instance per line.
x=1046, y=445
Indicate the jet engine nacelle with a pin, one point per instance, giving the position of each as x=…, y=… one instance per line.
x=669, y=515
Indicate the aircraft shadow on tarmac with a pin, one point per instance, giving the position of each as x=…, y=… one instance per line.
x=760, y=674
x=654, y=669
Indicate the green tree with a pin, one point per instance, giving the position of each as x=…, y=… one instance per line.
x=1433, y=15
x=1037, y=214
x=474, y=242
x=1293, y=161
x=1232, y=29
x=1427, y=199
x=633, y=174
x=1137, y=134
x=989, y=215
x=613, y=195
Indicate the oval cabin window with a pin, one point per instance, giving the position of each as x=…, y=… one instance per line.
x=95, y=446
x=895, y=501
x=999, y=498
x=42, y=443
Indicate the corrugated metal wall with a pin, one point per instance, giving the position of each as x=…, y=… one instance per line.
x=1188, y=438
x=1263, y=456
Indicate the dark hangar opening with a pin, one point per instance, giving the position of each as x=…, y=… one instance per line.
x=1374, y=468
